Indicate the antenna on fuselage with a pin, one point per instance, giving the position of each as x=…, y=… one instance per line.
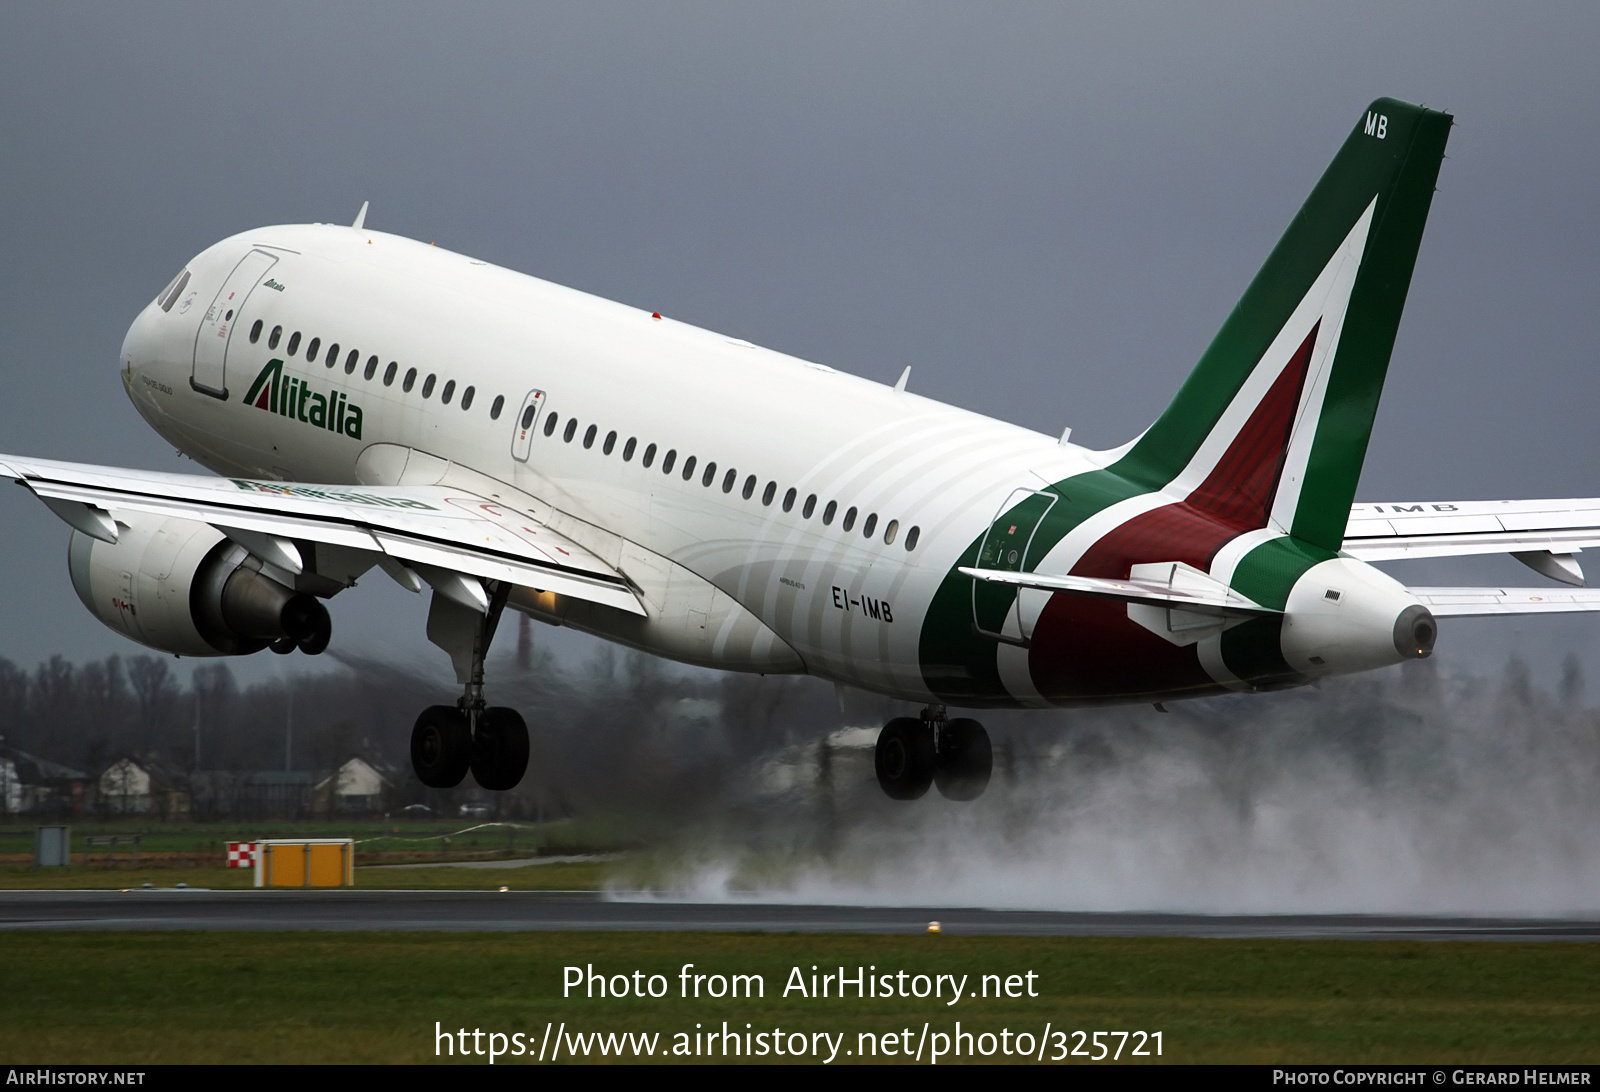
x=361, y=217
x=900, y=384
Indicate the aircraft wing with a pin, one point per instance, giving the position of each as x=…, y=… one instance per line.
x=441, y=534
x=1543, y=534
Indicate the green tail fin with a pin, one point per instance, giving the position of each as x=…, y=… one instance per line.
x=1276, y=416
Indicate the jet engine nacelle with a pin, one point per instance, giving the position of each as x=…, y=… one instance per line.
x=1345, y=616
x=181, y=586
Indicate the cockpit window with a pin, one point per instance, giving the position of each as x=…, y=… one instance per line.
x=173, y=291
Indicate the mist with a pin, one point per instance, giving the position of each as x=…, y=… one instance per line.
x=1408, y=791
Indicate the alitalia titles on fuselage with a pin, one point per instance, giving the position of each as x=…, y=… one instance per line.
x=292, y=397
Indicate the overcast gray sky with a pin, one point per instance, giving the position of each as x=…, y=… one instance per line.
x=1045, y=210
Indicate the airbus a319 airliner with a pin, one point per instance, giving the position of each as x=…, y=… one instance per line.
x=508, y=443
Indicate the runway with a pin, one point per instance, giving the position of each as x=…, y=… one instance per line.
x=491, y=911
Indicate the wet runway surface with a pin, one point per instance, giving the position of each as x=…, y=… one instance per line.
x=491, y=911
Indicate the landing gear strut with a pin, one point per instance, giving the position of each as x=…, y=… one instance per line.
x=914, y=753
x=447, y=741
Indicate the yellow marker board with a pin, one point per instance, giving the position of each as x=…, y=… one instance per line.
x=306, y=862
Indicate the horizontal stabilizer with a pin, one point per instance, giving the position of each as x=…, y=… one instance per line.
x=1217, y=601
x=1485, y=602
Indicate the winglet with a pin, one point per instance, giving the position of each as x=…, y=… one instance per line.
x=361, y=217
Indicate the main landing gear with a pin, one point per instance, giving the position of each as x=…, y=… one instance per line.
x=448, y=740
x=914, y=753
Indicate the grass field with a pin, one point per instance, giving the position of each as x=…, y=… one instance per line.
x=374, y=997
x=185, y=844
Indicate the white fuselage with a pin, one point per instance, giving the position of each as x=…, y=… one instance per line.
x=717, y=567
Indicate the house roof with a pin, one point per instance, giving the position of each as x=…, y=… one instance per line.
x=33, y=770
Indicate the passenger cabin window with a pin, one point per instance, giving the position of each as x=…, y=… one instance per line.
x=572, y=430
x=670, y=458
x=788, y=500
x=749, y=487
x=388, y=373
x=769, y=492
x=294, y=342
x=889, y=532
x=849, y=519
x=627, y=449
x=688, y=468
x=466, y=397
x=611, y=442
x=410, y=380
x=911, y=538
x=255, y=332
x=371, y=369
x=810, y=507
x=588, y=437
x=870, y=526
x=351, y=361
x=827, y=513
x=550, y=424
x=333, y=354
x=427, y=384
x=499, y=404
x=448, y=393
x=272, y=338
x=311, y=350
x=728, y=480
x=649, y=456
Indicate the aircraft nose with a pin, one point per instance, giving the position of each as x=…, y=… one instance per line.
x=138, y=345
x=145, y=348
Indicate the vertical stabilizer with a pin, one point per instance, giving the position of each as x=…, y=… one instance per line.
x=1271, y=427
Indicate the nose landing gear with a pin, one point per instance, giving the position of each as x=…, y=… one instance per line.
x=490, y=740
x=953, y=755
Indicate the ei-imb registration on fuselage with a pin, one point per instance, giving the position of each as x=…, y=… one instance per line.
x=370, y=403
